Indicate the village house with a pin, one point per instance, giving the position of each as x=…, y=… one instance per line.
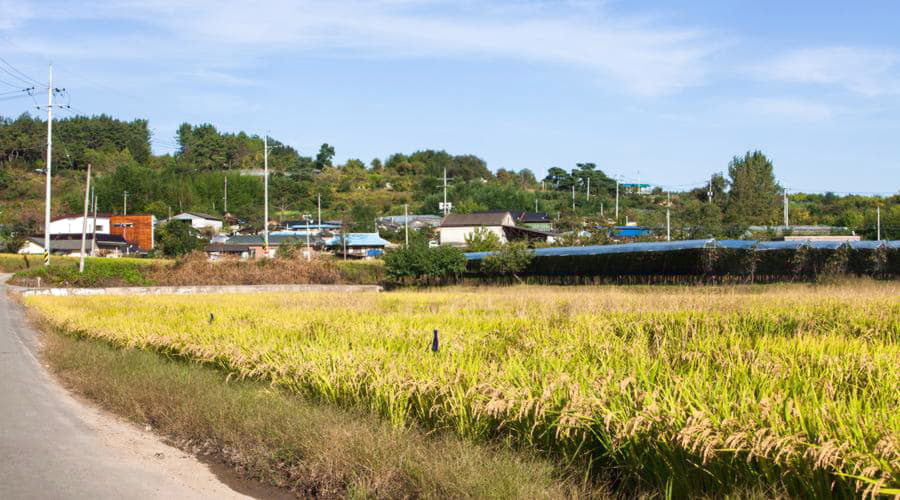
x=70, y=245
x=200, y=221
x=456, y=227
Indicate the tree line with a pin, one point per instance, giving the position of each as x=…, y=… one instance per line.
x=357, y=191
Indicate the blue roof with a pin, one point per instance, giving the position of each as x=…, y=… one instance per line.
x=302, y=225
x=358, y=240
x=653, y=246
x=668, y=246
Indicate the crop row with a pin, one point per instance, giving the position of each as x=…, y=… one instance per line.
x=659, y=388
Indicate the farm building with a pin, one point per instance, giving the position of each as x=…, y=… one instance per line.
x=314, y=228
x=456, y=227
x=71, y=224
x=631, y=231
x=359, y=245
x=70, y=244
x=200, y=221
x=138, y=229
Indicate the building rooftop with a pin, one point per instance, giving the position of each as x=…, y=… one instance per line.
x=476, y=219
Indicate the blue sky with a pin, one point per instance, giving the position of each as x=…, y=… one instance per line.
x=663, y=92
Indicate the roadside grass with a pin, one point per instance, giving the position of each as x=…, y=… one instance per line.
x=311, y=448
x=97, y=272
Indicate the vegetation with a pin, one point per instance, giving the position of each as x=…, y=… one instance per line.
x=193, y=269
x=417, y=263
x=482, y=239
x=316, y=450
x=178, y=238
x=677, y=390
x=356, y=192
x=509, y=260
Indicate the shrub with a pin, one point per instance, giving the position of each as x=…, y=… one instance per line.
x=418, y=263
x=511, y=259
x=482, y=240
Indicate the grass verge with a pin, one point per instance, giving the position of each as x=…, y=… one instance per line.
x=312, y=449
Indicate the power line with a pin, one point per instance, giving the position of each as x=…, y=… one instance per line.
x=18, y=74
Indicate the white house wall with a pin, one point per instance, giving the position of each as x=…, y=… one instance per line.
x=456, y=236
x=73, y=225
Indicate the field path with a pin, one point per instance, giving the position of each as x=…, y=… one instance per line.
x=54, y=446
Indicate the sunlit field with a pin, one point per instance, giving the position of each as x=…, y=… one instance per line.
x=684, y=390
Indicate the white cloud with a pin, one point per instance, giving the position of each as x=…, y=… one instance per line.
x=865, y=72
x=790, y=108
x=636, y=56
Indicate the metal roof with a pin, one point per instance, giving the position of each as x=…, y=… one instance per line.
x=475, y=219
x=668, y=246
x=357, y=240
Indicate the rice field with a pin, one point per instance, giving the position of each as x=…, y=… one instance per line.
x=677, y=390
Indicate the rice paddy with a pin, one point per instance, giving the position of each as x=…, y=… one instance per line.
x=679, y=390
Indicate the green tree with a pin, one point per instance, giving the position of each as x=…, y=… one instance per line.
x=753, y=197
x=178, y=238
x=511, y=259
x=325, y=156
x=482, y=240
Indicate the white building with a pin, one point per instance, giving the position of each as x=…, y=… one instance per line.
x=73, y=224
x=455, y=227
x=200, y=221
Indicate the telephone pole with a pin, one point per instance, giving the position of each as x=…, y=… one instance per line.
x=668, y=219
x=617, y=199
x=573, y=197
x=878, y=222
x=266, y=192
x=94, y=222
x=49, y=168
x=406, y=223
x=319, y=209
x=786, y=221
x=226, y=193
x=446, y=211
x=588, y=190
x=87, y=205
x=125, y=203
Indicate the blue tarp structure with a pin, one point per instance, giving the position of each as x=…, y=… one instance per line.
x=696, y=258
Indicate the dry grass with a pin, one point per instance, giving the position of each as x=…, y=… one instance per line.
x=687, y=390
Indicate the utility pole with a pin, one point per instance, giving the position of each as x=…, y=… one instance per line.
x=308, y=248
x=125, y=203
x=87, y=194
x=94, y=225
x=668, y=219
x=589, y=189
x=786, y=221
x=406, y=223
x=226, y=194
x=601, y=209
x=878, y=222
x=573, y=197
x=446, y=211
x=319, y=208
x=617, y=199
x=49, y=168
x=535, y=205
x=266, y=192
x=709, y=192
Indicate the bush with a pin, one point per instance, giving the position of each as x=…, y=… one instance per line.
x=178, y=238
x=419, y=263
x=511, y=259
x=482, y=240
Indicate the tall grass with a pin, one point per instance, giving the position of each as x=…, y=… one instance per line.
x=691, y=391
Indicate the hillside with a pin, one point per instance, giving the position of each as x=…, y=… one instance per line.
x=194, y=179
